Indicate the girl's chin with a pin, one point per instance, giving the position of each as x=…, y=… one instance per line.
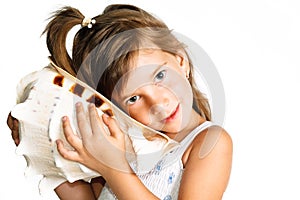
x=171, y=130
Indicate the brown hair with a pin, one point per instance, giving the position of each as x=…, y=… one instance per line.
x=103, y=53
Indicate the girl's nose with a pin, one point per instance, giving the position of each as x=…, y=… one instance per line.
x=158, y=100
x=157, y=109
x=158, y=96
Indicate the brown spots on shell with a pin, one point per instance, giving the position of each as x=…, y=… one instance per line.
x=77, y=89
x=58, y=80
x=109, y=112
x=95, y=99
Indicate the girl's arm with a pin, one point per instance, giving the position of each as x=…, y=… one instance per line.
x=80, y=190
x=97, y=185
x=206, y=177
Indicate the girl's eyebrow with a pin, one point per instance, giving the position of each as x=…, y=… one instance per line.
x=124, y=96
x=158, y=68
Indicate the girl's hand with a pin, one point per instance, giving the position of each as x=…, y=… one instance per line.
x=103, y=152
x=13, y=125
x=97, y=149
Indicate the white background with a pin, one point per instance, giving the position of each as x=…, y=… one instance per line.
x=255, y=46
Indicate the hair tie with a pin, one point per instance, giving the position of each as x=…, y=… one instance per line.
x=88, y=22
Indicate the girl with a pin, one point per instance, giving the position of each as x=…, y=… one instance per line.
x=133, y=59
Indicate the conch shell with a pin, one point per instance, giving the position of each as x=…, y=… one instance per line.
x=43, y=97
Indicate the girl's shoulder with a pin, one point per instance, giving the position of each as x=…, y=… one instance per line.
x=207, y=164
x=212, y=139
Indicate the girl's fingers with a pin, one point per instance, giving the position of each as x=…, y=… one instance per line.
x=65, y=153
x=9, y=121
x=13, y=125
x=72, y=139
x=15, y=132
x=83, y=124
x=96, y=121
x=112, y=125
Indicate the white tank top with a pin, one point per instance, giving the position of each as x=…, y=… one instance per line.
x=164, y=179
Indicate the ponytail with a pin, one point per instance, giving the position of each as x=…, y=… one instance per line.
x=62, y=21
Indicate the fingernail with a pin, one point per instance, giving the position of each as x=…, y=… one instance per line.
x=64, y=118
x=15, y=122
x=78, y=104
x=106, y=116
x=91, y=105
x=17, y=141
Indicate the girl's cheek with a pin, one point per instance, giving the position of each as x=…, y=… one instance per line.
x=139, y=116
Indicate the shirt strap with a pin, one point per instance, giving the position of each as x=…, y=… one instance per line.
x=185, y=143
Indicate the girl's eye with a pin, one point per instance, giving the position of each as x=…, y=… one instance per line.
x=132, y=100
x=160, y=76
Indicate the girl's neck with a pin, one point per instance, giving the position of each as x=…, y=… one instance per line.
x=195, y=120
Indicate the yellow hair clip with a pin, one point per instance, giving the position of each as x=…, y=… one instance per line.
x=88, y=22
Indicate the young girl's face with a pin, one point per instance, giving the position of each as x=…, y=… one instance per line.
x=157, y=92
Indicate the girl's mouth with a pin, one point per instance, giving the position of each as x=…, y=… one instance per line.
x=173, y=115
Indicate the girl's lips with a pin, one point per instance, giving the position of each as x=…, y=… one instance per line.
x=172, y=115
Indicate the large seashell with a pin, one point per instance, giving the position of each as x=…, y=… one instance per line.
x=43, y=97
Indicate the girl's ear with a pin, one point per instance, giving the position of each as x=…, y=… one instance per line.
x=183, y=64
